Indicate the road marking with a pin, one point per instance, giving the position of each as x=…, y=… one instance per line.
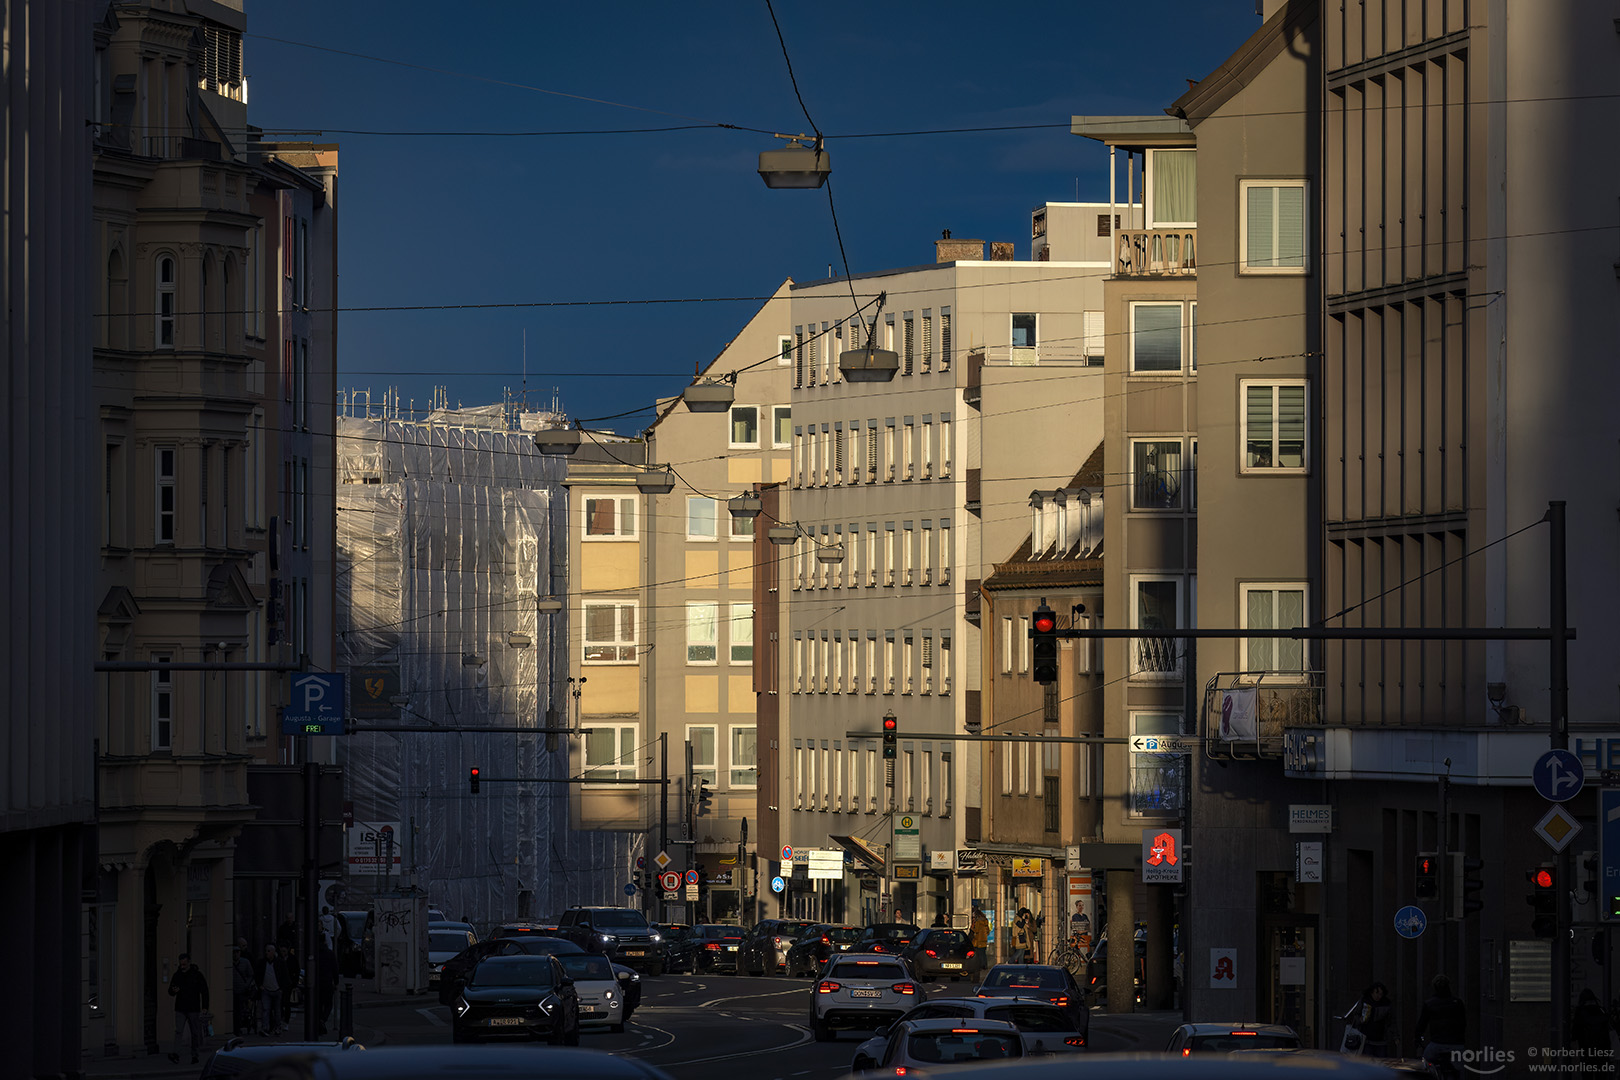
x=746, y=997
x=431, y=1015
x=804, y=1037
x=647, y=1044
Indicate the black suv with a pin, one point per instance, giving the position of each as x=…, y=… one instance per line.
x=623, y=935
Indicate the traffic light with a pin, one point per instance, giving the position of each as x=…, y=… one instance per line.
x=1543, y=899
x=1466, y=883
x=891, y=733
x=472, y=779
x=1044, y=632
x=704, y=798
x=1428, y=877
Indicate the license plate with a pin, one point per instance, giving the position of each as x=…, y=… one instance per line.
x=866, y=993
x=506, y=1021
x=951, y=967
x=635, y=952
x=731, y=948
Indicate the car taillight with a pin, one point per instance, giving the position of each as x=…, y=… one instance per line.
x=1059, y=999
x=970, y=952
x=824, y=941
x=827, y=987
x=932, y=953
x=712, y=947
x=1242, y=1033
x=1186, y=1051
x=1075, y=1040
x=904, y=988
x=901, y=1070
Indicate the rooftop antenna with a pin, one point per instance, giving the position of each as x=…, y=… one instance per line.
x=525, y=387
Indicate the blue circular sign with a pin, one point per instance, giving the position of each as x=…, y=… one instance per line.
x=777, y=884
x=691, y=877
x=629, y=888
x=1558, y=776
x=1410, y=922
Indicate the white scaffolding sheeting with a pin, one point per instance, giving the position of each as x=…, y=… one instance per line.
x=449, y=531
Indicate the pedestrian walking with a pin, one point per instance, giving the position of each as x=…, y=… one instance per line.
x=288, y=944
x=329, y=927
x=324, y=988
x=1442, y=1026
x=979, y=930
x=1367, y=1023
x=1590, y=1027
x=244, y=990
x=273, y=979
x=1023, y=930
x=190, y=992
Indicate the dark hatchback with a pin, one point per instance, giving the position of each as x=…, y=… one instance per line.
x=941, y=953
x=1043, y=982
x=886, y=937
x=717, y=947
x=812, y=949
x=528, y=997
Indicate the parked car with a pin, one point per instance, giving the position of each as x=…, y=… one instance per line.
x=764, y=949
x=938, y=953
x=886, y=937
x=436, y=915
x=452, y=924
x=716, y=947
x=445, y=945
x=1047, y=982
x=484, y=1062
x=354, y=958
x=861, y=990
x=680, y=947
x=601, y=998
x=518, y=996
x=238, y=1056
x=524, y=927
x=918, y=1047
x=1044, y=1028
x=1191, y=1039
x=812, y=949
x=621, y=934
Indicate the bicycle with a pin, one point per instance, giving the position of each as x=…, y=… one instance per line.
x=1067, y=956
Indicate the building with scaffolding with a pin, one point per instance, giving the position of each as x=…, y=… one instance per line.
x=451, y=545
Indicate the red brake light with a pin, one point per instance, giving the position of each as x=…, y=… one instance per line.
x=1075, y=1040
x=824, y=939
x=712, y=946
x=1243, y=1033
x=970, y=952
x=1060, y=999
x=932, y=953
x=901, y=1070
x=1186, y=1051
x=904, y=988
x=826, y=987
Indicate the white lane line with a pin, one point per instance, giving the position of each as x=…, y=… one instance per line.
x=431, y=1015
x=647, y=1044
x=747, y=997
x=804, y=1037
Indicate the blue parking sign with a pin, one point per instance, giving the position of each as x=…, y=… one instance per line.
x=317, y=705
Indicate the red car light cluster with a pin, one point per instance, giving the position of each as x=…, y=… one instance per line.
x=1075, y=1040
x=827, y=987
x=932, y=953
x=904, y=988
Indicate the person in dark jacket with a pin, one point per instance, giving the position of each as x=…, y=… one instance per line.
x=190, y=992
x=244, y=990
x=1590, y=1027
x=271, y=973
x=1444, y=1024
x=324, y=986
x=1371, y=1015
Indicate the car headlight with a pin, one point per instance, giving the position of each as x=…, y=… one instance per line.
x=608, y=939
x=546, y=1005
x=462, y=1007
x=656, y=938
x=608, y=994
x=436, y=968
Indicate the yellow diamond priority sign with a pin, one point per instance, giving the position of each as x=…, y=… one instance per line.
x=1557, y=827
x=662, y=860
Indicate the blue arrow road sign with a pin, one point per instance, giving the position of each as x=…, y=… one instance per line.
x=1609, y=859
x=629, y=888
x=1558, y=775
x=1410, y=922
x=777, y=884
x=317, y=704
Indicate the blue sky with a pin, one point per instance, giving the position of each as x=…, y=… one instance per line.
x=440, y=217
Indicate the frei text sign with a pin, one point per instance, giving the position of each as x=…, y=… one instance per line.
x=317, y=705
x=1161, y=856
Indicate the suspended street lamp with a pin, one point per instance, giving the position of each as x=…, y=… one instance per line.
x=659, y=480
x=795, y=165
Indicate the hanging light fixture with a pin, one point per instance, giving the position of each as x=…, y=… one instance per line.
x=746, y=505
x=711, y=394
x=557, y=440
x=830, y=553
x=868, y=363
x=782, y=535
x=659, y=480
x=795, y=165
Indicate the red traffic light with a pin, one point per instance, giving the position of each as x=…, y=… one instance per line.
x=890, y=723
x=475, y=772
x=1542, y=879
x=1045, y=622
x=1425, y=865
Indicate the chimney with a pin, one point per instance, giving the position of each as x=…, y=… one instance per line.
x=948, y=250
x=1001, y=251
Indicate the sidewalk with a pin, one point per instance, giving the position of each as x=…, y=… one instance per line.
x=153, y=1066
x=1143, y=1030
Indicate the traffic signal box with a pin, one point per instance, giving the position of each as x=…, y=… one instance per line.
x=1428, y=877
x=1466, y=882
x=1543, y=899
x=472, y=779
x=891, y=735
x=1043, y=631
x=704, y=798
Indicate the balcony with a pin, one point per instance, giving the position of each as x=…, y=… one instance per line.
x=1245, y=712
x=1155, y=252
x=973, y=388
x=971, y=496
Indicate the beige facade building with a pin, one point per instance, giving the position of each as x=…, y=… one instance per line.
x=912, y=482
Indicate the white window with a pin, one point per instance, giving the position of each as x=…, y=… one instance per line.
x=1023, y=644
x=702, y=517
x=1082, y=647
x=907, y=556
x=162, y=704
x=1093, y=340
x=744, y=426
x=610, y=632
x=945, y=779
x=871, y=460
x=742, y=633
x=702, y=737
x=838, y=775
x=888, y=451
x=798, y=776
x=908, y=455
x=1156, y=337
x=164, y=301
x=908, y=768
x=1156, y=474
x=927, y=340
x=944, y=339
x=1272, y=607
x=798, y=664
x=1172, y=189
x=889, y=558
x=610, y=751
x=1274, y=426
x=1272, y=227
x=944, y=552
x=871, y=779
x=908, y=351
x=1024, y=340
x=871, y=556
x=825, y=775
x=1008, y=775
x=1157, y=782
x=781, y=426
x=908, y=661
x=888, y=663
x=871, y=664
x=813, y=457
x=837, y=662
x=944, y=665
x=798, y=457
x=784, y=349
x=1156, y=606
x=1006, y=644
x=925, y=781
x=744, y=756
x=839, y=472
x=164, y=459
x=928, y=664
x=610, y=517
x=702, y=632
x=925, y=555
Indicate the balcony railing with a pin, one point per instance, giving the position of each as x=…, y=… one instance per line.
x=1140, y=252
x=1246, y=712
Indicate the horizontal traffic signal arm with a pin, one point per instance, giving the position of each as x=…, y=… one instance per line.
x=1340, y=633
x=1122, y=740
x=571, y=780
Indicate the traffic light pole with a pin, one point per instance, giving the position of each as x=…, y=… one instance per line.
x=1558, y=657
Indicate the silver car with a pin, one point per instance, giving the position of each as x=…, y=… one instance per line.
x=920, y=1047
x=1042, y=1027
x=861, y=990
x=601, y=999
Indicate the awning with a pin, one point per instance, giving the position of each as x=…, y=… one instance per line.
x=864, y=853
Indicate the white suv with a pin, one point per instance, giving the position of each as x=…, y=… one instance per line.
x=861, y=990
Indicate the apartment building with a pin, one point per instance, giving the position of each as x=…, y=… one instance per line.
x=48, y=467
x=896, y=491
